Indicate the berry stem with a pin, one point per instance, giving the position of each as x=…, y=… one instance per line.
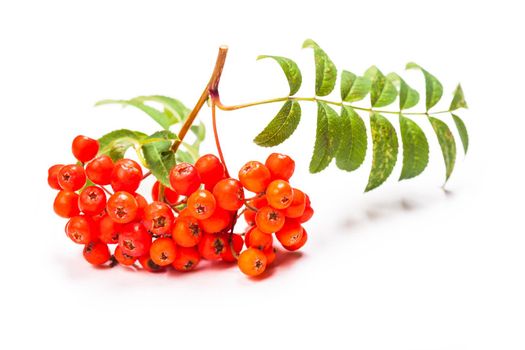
x=216, y=135
x=211, y=87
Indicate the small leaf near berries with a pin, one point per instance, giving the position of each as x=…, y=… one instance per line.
x=158, y=155
x=116, y=143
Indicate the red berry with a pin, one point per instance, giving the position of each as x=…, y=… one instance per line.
x=210, y=170
x=281, y=166
x=296, y=209
x=255, y=176
x=124, y=259
x=149, y=265
x=52, y=176
x=217, y=222
x=158, y=219
x=163, y=251
x=258, y=203
x=108, y=230
x=187, y=231
x=99, y=170
x=134, y=240
x=66, y=204
x=169, y=195
x=126, y=175
x=143, y=203
x=279, y=194
x=252, y=262
x=185, y=179
x=235, y=242
x=92, y=200
x=270, y=255
x=186, y=258
x=201, y=204
x=229, y=194
x=84, y=148
x=269, y=220
x=71, y=177
x=96, y=253
x=80, y=229
x=122, y=207
x=307, y=215
x=211, y=247
x=291, y=233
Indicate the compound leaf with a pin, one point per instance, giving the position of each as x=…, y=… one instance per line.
x=352, y=146
x=353, y=87
x=462, y=130
x=408, y=97
x=458, y=101
x=446, y=142
x=116, y=143
x=290, y=69
x=327, y=138
x=433, y=88
x=282, y=125
x=415, y=148
x=325, y=70
x=382, y=90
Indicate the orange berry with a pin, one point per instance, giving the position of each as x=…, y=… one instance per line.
x=219, y=221
x=296, y=209
x=255, y=176
x=210, y=170
x=149, y=265
x=258, y=239
x=270, y=255
x=299, y=244
x=281, y=166
x=201, y=204
x=211, y=247
x=307, y=215
x=279, y=194
x=229, y=194
x=96, y=253
x=252, y=262
x=186, y=258
x=269, y=220
x=290, y=233
x=122, y=258
x=163, y=251
x=187, y=232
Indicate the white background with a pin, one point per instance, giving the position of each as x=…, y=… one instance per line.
x=406, y=266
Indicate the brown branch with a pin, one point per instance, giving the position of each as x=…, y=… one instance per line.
x=211, y=88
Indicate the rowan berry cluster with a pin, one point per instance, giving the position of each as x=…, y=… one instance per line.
x=193, y=219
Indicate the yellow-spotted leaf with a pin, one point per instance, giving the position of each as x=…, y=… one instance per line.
x=446, y=142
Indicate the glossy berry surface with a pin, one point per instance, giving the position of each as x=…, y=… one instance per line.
x=269, y=220
x=52, y=176
x=126, y=175
x=66, y=204
x=229, y=194
x=280, y=166
x=279, y=194
x=255, y=176
x=99, y=170
x=92, y=200
x=210, y=170
x=122, y=207
x=96, y=253
x=201, y=204
x=71, y=177
x=134, y=240
x=84, y=148
x=185, y=179
x=252, y=262
x=163, y=251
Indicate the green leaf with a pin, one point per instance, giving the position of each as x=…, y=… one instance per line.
x=385, y=148
x=282, y=125
x=158, y=155
x=415, y=148
x=116, y=143
x=199, y=131
x=352, y=147
x=462, y=129
x=353, y=88
x=164, y=120
x=458, y=101
x=184, y=157
x=408, y=97
x=382, y=91
x=327, y=138
x=290, y=69
x=446, y=142
x=433, y=88
x=325, y=70
x=172, y=106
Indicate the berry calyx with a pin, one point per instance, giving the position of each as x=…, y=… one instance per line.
x=92, y=200
x=258, y=239
x=186, y=259
x=201, y=204
x=298, y=205
x=290, y=234
x=187, y=231
x=122, y=258
x=269, y=220
x=122, y=207
x=212, y=247
x=84, y=148
x=80, y=229
x=71, y=177
x=158, y=219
